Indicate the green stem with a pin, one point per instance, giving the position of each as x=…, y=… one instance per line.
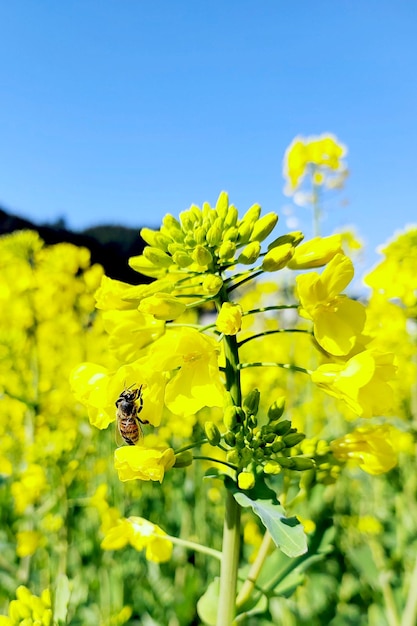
x=409, y=617
x=209, y=458
x=192, y=545
x=263, y=309
x=273, y=332
x=229, y=563
x=249, y=584
x=285, y=366
x=231, y=529
x=195, y=444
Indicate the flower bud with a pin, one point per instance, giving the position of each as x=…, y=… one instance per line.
x=230, y=439
x=252, y=214
x=277, y=446
x=277, y=258
x=281, y=428
x=297, y=463
x=229, y=319
x=269, y=437
x=188, y=219
x=144, y=266
x=291, y=439
x=272, y=467
x=154, y=238
x=233, y=457
x=183, y=459
x=251, y=402
x=227, y=250
x=231, y=234
x=264, y=226
x=232, y=417
x=202, y=256
x=173, y=227
x=182, y=259
x=162, y=306
x=293, y=238
x=244, y=232
x=231, y=217
x=222, y=204
x=276, y=409
x=212, y=433
x=157, y=257
x=246, y=480
x=215, y=233
x=212, y=284
x=200, y=235
x=250, y=253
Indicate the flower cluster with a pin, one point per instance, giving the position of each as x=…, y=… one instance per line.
x=28, y=609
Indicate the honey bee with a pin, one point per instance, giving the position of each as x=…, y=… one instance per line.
x=128, y=422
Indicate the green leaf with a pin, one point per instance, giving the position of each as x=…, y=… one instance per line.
x=62, y=596
x=286, y=532
x=208, y=603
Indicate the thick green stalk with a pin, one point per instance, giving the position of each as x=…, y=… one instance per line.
x=229, y=563
x=231, y=529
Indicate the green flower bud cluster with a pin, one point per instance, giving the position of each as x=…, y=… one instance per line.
x=207, y=239
x=269, y=445
x=327, y=467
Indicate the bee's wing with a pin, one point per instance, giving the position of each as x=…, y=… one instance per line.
x=117, y=435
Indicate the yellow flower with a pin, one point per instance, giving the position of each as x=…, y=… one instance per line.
x=129, y=332
x=371, y=447
x=137, y=463
x=337, y=319
x=150, y=536
x=323, y=153
x=229, y=319
x=197, y=382
x=141, y=535
x=162, y=306
x=27, y=542
x=29, y=609
x=98, y=389
x=361, y=382
x=29, y=488
x=316, y=252
x=246, y=480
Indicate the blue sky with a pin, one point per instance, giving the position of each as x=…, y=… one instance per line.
x=118, y=111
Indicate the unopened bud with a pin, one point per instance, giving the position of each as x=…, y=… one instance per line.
x=276, y=409
x=229, y=319
x=281, y=428
x=157, y=256
x=212, y=284
x=277, y=258
x=222, y=204
x=227, y=250
x=264, y=226
x=182, y=259
x=232, y=417
x=212, y=433
x=251, y=402
x=292, y=439
x=231, y=216
x=246, y=480
x=230, y=439
x=214, y=233
x=250, y=253
x=293, y=238
x=162, y=306
x=173, y=227
x=202, y=256
x=183, y=459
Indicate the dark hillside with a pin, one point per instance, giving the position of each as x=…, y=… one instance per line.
x=111, y=246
